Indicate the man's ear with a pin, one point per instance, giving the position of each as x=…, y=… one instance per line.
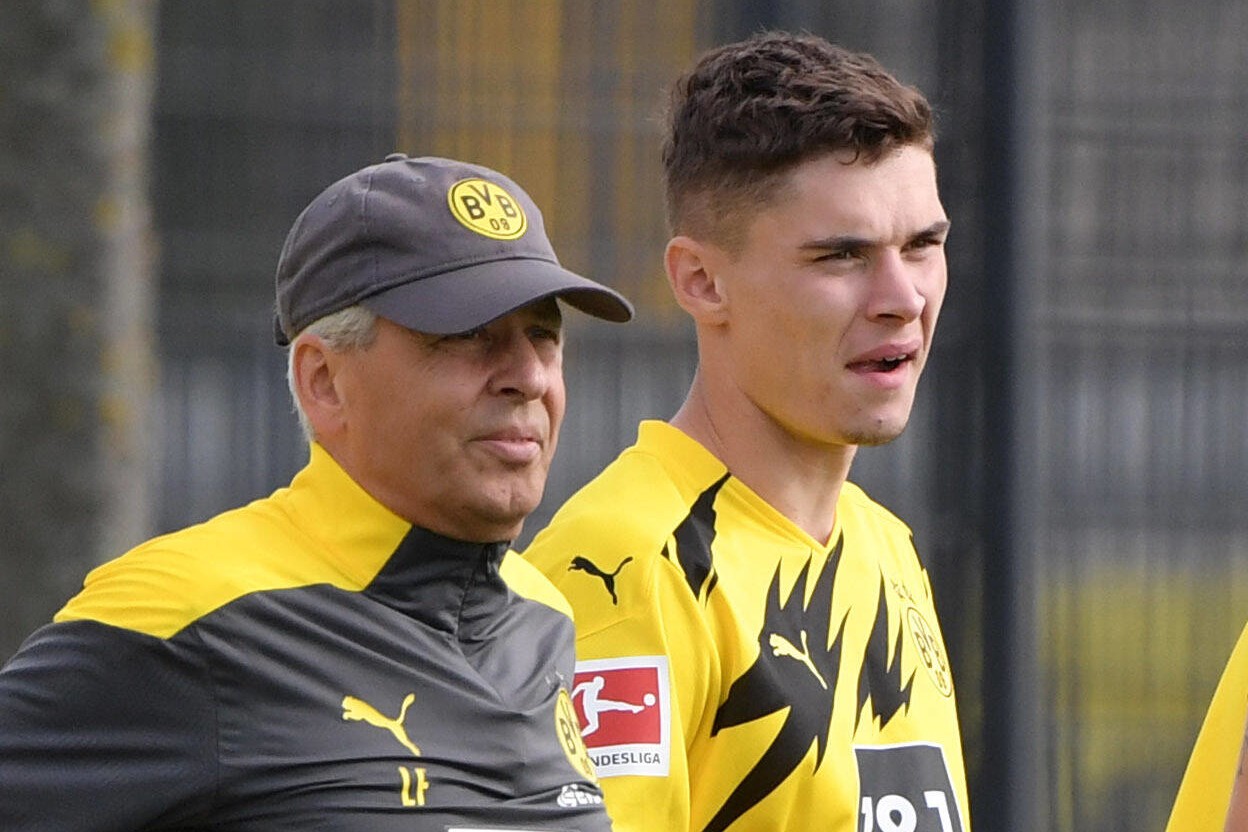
x=693, y=269
x=315, y=369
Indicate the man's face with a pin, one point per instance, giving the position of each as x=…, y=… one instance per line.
x=456, y=432
x=833, y=300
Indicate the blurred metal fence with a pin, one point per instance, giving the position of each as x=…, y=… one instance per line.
x=76, y=289
x=1075, y=470
x=259, y=106
x=1141, y=524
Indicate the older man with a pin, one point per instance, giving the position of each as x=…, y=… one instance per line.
x=358, y=651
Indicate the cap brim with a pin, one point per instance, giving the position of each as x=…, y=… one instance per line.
x=467, y=298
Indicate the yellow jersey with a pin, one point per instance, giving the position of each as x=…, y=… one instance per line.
x=733, y=673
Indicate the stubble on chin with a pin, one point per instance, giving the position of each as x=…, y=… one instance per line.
x=876, y=435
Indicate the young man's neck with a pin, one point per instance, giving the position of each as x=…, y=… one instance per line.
x=800, y=480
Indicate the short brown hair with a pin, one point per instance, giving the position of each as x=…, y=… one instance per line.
x=748, y=112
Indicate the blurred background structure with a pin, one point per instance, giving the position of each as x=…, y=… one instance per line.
x=1077, y=466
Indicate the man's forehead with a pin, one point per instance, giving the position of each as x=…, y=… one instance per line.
x=827, y=198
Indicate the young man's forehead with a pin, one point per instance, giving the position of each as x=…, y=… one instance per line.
x=724, y=212
x=831, y=198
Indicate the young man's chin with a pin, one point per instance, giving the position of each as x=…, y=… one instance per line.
x=878, y=434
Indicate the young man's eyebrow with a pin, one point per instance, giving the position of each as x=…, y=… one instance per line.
x=844, y=242
x=838, y=243
x=936, y=229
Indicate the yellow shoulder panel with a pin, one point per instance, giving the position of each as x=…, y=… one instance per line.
x=161, y=586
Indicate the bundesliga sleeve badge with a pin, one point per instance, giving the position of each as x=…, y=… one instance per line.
x=623, y=705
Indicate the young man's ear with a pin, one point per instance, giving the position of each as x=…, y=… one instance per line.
x=692, y=272
x=315, y=367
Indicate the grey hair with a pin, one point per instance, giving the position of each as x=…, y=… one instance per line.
x=352, y=328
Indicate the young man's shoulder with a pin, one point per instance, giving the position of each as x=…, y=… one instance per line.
x=634, y=502
x=856, y=506
x=606, y=549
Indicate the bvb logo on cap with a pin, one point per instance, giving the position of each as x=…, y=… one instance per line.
x=487, y=209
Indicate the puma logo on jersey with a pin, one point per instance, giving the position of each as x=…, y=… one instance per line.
x=357, y=710
x=781, y=646
x=581, y=564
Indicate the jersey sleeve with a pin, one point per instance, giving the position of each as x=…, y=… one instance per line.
x=103, y=730
x=645, y=675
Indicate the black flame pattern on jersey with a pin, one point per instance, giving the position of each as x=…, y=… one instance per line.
x=777, y=681
x=879, y=680
x=693, y=539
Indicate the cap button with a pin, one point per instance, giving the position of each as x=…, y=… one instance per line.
x=396, y=157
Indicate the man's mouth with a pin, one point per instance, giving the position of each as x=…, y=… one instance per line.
x=882, y=364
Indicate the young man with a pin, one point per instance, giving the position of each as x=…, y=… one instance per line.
x=757, y=643
x=358, y=652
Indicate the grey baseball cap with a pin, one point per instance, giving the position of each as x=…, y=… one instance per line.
x=435, y=245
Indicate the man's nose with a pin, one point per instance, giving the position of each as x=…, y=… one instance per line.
x=523, y=370
x=895, y=288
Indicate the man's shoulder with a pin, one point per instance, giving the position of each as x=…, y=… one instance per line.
x=857, y=507
x=606, y=547
x=163, y=584
x=596, y=558
x=630, y=503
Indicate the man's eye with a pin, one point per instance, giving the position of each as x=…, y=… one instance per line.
x=467, y=335
x=926, y=242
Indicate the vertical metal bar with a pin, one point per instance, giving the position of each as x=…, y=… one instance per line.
x=1008, y=794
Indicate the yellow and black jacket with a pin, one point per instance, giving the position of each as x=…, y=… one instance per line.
x=308, y=661
x=735, y=674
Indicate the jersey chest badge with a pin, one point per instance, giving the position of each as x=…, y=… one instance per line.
x=931, y=654
x=927, y=644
